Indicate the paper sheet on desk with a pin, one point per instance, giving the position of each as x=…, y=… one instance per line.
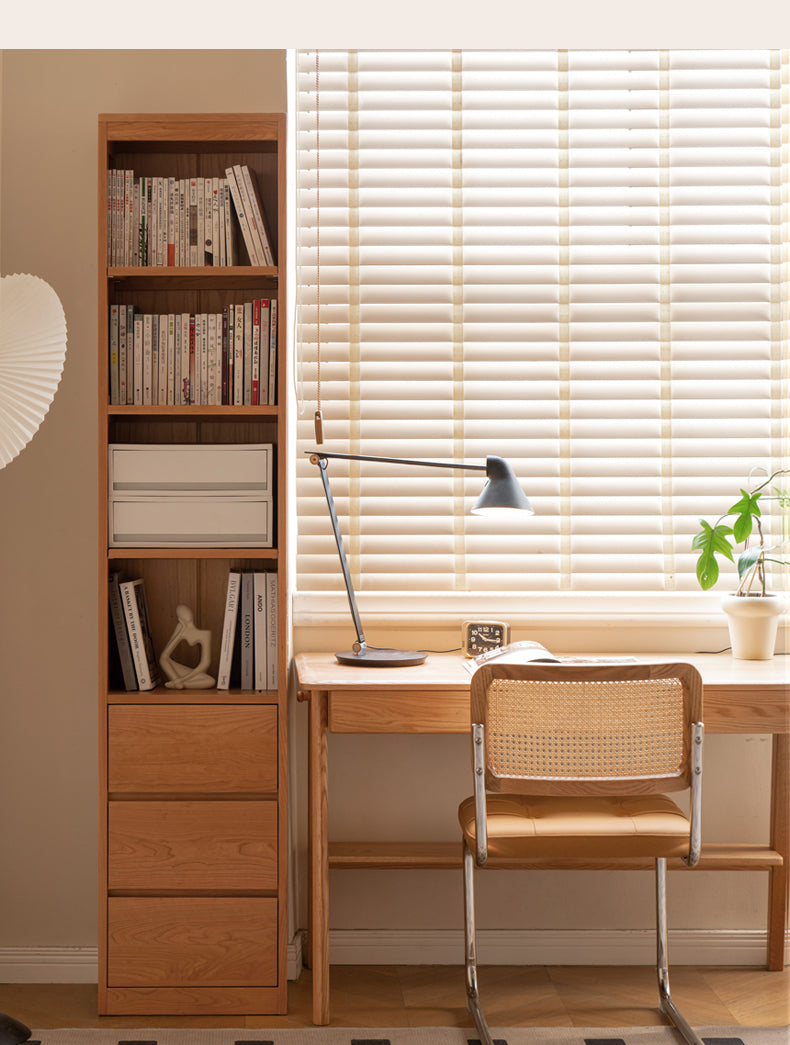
x=528, y=651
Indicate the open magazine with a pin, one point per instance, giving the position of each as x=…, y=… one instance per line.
x=527, y=651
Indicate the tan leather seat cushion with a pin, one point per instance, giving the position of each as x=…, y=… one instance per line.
x=538, y=826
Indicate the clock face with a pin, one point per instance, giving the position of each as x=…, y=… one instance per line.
x=478, y=636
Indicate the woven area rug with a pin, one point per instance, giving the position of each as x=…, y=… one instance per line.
x=412, y=1036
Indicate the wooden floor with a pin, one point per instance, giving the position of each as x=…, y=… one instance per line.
x=419, y=996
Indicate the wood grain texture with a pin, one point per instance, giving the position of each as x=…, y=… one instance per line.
x=192, y=845
x=185, y=750
x=192, y=941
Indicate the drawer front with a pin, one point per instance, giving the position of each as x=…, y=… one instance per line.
x=191, y=941
x=183, y=522
x=192, y=845
x=163, y=467
x=192, y=749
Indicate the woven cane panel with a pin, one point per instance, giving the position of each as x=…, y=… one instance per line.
x=585, y=730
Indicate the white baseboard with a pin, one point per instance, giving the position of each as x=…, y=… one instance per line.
x=548, y=947
x=445, y=947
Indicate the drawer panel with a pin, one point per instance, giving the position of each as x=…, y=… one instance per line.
x=192, y=845
x=186, y=749
x=191, y=941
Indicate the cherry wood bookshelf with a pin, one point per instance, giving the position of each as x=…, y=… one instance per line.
x=193, y=784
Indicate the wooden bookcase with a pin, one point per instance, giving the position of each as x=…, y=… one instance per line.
x=193, y=829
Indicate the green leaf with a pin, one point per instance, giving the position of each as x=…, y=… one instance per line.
x=711, y=541
x=747, y=559
x=746, y=509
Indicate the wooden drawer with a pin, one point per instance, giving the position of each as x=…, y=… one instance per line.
x=191, y=941
x=192, y=749
x=192, y=845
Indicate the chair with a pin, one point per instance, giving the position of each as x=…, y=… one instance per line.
x=572, y=762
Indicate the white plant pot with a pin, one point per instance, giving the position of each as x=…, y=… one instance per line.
x=753, y=621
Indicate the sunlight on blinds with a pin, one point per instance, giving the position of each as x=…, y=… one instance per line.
x=573, y=260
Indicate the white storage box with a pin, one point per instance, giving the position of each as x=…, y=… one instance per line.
x=190, y=496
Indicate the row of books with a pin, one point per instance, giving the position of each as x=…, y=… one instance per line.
x=171, y=221
x=248, y=648
x=132, y=632
x=226, y=358
x=248, y=644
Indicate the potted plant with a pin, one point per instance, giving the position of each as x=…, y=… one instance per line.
x=752, y=612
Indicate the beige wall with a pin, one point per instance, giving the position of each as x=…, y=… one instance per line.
x=48, y=533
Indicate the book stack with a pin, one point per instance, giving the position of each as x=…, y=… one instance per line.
x=226, y=358
x=132, y=630
x=248, y=648
x=186, y=222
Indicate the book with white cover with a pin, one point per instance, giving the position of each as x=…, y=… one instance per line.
x=238, y=357
x=271, y=631
x=231, y=242
x=114, y=356
x=122, y=364
x=228, y=630
x=273, y=354
x=136, y=613
x=241, y=212
x=259, y=630
x=256, y=209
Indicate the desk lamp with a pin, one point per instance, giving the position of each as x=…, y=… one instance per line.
x=501, y=495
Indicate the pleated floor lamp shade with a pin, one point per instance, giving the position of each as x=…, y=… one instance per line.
x=32, y=354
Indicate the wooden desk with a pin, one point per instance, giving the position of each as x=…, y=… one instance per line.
x=738, y=697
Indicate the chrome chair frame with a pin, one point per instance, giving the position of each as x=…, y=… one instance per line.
x=479, y=858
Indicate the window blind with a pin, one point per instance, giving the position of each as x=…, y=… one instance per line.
x=575, y=260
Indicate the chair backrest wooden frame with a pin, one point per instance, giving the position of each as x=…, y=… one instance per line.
x=587, y=728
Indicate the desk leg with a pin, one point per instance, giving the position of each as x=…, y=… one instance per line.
x=780, y=841
x=319, y=857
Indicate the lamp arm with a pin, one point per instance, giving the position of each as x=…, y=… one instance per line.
x=320, y=454
x=320, y=460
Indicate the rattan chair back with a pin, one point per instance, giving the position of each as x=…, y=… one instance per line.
x=587, y=729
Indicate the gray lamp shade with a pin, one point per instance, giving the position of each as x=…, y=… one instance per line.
x=502, y=493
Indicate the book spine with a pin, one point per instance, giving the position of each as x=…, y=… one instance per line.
x=122, y=354
x=121, y=632
x=218, y=225
x=193, y=222
x=256, y=208
x=171, y=359
x=263, y=395
x=228, y=630
x=259, y=630
x=185, y=375
x=256, y=351
x=231, y=244
x=193, y=371
x=238, y=203
x=114, y=374
x=225, y=355
x=271, y=631
x=134, y=625
x=163, y=360
x=247, y=353
x=211, y=382
x=130, y=316
x=139, y=367
x=171, y=221
x=247, y=618
x=238, y=357
x=273, y=354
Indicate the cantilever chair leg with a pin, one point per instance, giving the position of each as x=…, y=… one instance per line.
x=472, y=998
x=666, y=1005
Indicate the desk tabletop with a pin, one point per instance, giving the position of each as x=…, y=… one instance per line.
x=739, y=696
x=450, y=671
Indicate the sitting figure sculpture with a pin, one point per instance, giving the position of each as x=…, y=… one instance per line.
x=182, y=676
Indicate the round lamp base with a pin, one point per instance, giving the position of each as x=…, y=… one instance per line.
x=382, y=658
